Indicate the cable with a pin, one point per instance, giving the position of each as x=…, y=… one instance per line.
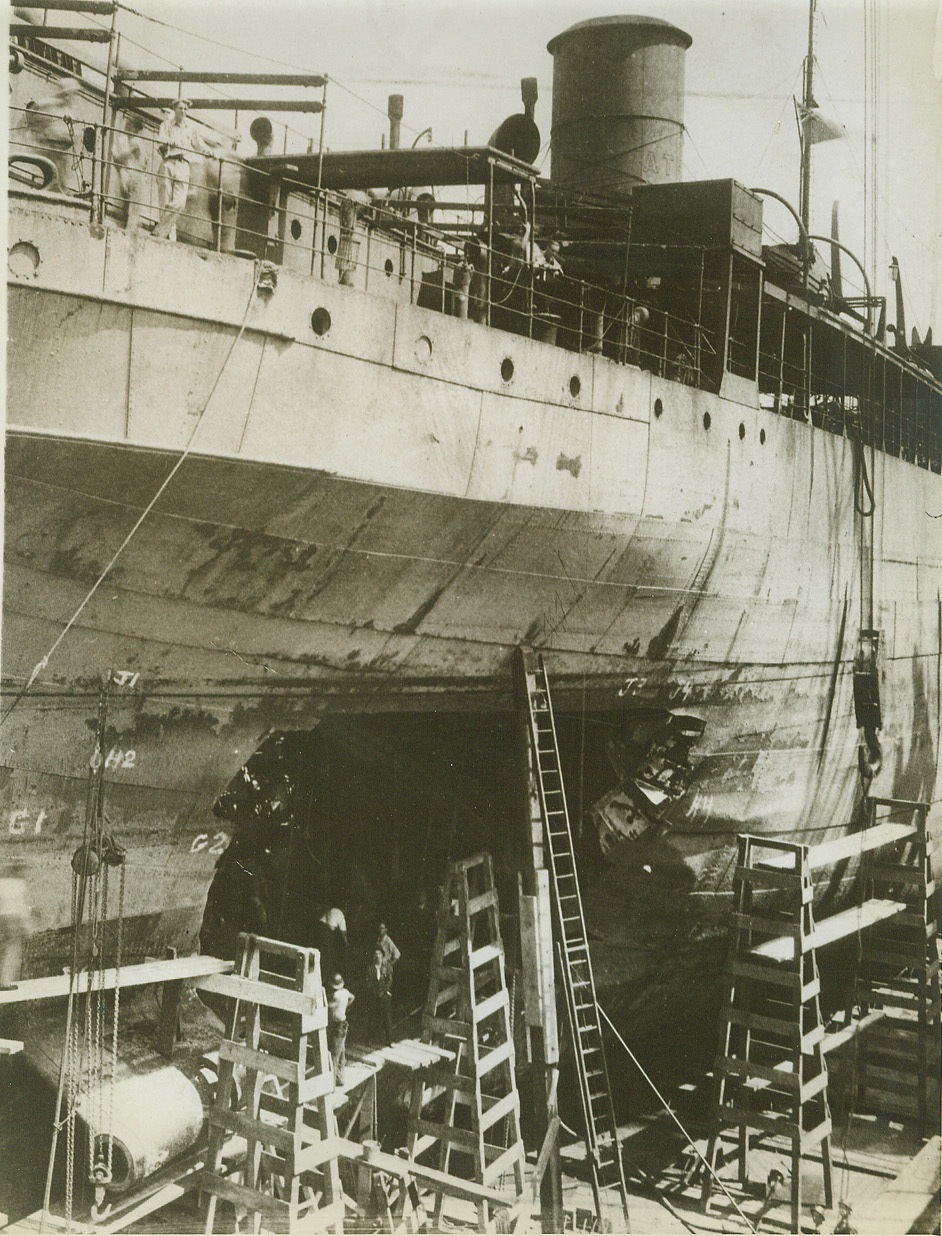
x=664, y=1103
x=43, y=662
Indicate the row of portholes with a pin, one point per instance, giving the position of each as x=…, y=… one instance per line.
x=332, y=245
x=321, y=324
x=707, y=421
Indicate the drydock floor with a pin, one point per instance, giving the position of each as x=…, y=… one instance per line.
x=888, y=1175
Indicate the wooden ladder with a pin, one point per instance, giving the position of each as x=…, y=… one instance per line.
x=575, y=963
x=771, y=1074
x=289, y=1171
x=897, y=1067
x=469, y=1109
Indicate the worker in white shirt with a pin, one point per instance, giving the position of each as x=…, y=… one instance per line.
x=338, y=1001
x=385, y=944
x=178, y=143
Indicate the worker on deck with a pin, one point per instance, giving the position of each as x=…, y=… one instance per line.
x=330, y=938
x=338, y=1002
x=130, y=156
x=51, y=121
x=386, y=945
x=14, y=922
x=379, y=978
x=179, y=143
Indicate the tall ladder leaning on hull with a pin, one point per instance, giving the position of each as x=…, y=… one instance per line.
x=572, y=943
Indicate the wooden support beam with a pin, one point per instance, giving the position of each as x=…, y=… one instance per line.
x=138, y=103
x=83, y=34
x=105, y=7
x=428, y=1177
x=169, y=1017
x=145, y=974
x=313, y=80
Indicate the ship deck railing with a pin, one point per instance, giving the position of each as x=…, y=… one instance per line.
x=435, y=254
x=394, y=249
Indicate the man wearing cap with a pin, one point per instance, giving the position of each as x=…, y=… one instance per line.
x=337, y=1004
x=178, y=143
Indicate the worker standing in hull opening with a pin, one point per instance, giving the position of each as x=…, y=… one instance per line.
x=386, y=945
x=178, y=143
x=338, y=1002
x=379, y=977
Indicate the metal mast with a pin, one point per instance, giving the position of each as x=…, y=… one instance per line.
x=808, y=104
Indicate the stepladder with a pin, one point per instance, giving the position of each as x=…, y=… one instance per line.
x=894, y=1069
x=770, y=1073
x=275, y=1095
x=572, y=941
x=772, y=1042
x=465, y=1114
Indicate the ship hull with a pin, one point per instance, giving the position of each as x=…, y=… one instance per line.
x=255, y=526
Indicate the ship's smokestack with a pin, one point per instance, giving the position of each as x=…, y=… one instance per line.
x=394, y=110
x=618, y=103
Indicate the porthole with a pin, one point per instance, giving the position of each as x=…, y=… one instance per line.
x=296, y=228
x=388, y=267
x=658, y=408
x=575, y=386
x=23, y=259
x=742, y=431
x=762, y=436
x=320, y=321
x=423, y=349
x=706, y=420
x=331, y=244
x=506, y=369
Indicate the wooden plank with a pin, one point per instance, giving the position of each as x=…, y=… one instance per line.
x=81, y=34
x=543, y=1158
x=429, y=1177
x=763, y=974
x=837, y=1038
x=829, y=930
x=220, y=79
x=755, y=1021
x=437, y=1075
x=487, y=1007
x=903, y=1201
x=813, y=1137
x=103, y=8
x=131, y=103
x=503, y=1163
x=854, y=844
x=261, y=1203
x=490, y=1060
x=503, y=1107
x=447, y=1027
x=268, y=995
x=782, y=1073
x=316, y=1087
x=317, y=1153
x=264, y=1062
x=448, y=1133
x=775, y=878
x=487, y=952
x=237, y=1122
x=774, y=926
x=482, y=901
x=729, y=1114
x=144, y=974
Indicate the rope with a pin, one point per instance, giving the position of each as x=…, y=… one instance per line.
x=664, y=1103
x=43, y=662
